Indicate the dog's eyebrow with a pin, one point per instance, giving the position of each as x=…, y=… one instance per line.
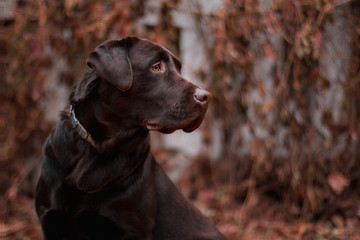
x=176, y=62
x=173, y=58
x=166, y=56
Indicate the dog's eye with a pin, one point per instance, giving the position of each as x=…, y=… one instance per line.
x=156, y=67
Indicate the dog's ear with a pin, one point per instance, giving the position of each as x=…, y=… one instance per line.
x=85, y=86
x=111, y=62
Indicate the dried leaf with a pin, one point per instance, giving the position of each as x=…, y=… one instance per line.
x=338, y=182
x=310, y=193
x=314, y=76
x=7, y=229
x=270, y=51
x=42, y=15
x=70, y=6
x=338, y=221
x=316, y=40
x=268, y=107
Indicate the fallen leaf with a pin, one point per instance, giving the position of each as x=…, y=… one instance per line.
x=8, y=229
x=268, y=107
x=270, y=51
x=316, y=40
x=337, y=182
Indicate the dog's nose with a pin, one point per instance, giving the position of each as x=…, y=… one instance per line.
x=202, y=96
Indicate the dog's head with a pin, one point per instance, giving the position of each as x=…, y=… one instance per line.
x=140, y=82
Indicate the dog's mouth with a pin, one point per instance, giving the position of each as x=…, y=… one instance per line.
x=193, y=125
x=187, y=127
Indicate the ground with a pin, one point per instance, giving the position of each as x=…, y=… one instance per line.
x=253, y=215
x=254, y=219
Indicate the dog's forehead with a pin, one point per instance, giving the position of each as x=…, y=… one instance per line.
x=145, y=49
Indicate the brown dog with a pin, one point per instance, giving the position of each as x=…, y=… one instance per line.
x=99, y=179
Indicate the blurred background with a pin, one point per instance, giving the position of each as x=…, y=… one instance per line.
x=278, y=154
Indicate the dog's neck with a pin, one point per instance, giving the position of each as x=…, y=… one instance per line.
x=79, y=127
x=123, y=155
x=87, y=173
x=105, y=131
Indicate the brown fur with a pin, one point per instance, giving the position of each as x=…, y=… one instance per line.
x=115, y=189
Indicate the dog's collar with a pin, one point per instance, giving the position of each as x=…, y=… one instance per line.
x=79, y=128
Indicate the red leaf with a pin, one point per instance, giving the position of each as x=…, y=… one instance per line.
x=270, y=51
x=316, y=40
x=338, y=182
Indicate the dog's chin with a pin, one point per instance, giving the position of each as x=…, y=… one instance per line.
x=188, y=126
x=193, y=125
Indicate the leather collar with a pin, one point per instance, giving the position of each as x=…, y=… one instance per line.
x=80, y=128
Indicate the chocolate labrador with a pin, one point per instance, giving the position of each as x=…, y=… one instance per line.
x=99, y=179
